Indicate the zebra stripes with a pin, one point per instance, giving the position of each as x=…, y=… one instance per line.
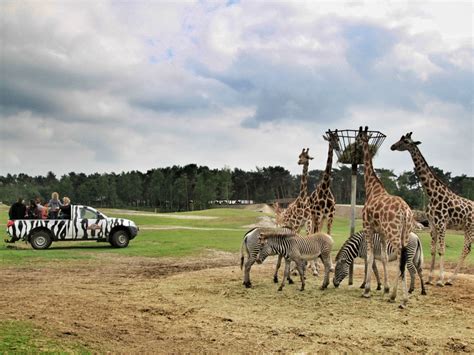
x=294, y=247
x=250, y=247
x=75, y=228
x=356, y=246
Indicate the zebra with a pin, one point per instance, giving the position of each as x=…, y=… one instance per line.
x=356, y=246
x=294, y=247
x=250, y=246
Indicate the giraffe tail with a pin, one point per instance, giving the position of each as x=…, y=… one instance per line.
x=403, y=260
x=403, y=241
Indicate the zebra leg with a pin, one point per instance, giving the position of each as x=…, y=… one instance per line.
x=287, y=272
x=419, y=269
x=275, y=275
x=351, y=274
x=248, y=265
x=468, y=235
x=301, y=268
x=327, y=270
x=315, y=267
x=370, y=256
x=412, y=270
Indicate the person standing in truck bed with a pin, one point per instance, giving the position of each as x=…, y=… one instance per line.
x=54, y=204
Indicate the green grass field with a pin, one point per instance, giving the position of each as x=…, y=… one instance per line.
x=225, y=232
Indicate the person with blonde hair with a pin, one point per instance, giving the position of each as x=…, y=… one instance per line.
x=54, y=205
x=65, y=209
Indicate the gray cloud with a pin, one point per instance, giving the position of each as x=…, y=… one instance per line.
x=133, y=86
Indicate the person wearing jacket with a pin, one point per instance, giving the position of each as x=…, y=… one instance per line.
x=17, y=210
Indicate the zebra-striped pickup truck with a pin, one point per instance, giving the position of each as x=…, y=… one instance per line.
x=85, y=223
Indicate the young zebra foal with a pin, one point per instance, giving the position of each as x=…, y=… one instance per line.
x=250, y=248
x=356, y=246
x=294, y=247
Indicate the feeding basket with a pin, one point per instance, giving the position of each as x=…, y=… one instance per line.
x=349, y=152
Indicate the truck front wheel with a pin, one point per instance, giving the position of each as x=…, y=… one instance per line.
x=120, y=239
x=40, y=240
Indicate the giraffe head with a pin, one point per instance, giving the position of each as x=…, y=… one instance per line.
x=333, y=139
x=405, y=143
x=304, y=157
x=363, y=136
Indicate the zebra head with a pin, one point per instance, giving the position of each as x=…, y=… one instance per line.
x=341, y=271
x=265, y=249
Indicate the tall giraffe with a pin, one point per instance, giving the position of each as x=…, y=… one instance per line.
x=297, y=213
x=322, y=202
x=388, y=215
x=445, y=209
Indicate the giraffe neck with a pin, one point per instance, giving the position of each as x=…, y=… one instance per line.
x=429, y=180
x=370, y=178
x=326, y=179
x=304, y=182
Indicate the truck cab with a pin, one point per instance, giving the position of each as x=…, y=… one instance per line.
x=84, y=223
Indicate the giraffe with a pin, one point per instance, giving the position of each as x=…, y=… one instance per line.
x=297, y=213
x=322, y=202
x=445, y=209
x=388, y=215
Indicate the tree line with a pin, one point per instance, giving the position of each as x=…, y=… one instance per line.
x=192, y=187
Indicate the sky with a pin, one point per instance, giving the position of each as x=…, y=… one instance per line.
x=112, y=86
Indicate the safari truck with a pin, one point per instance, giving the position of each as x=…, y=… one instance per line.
x=85, y=223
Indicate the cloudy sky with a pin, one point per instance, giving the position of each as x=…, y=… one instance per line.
x=99, y=86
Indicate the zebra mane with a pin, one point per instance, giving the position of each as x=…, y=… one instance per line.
x=348, y=240
x=280, y=232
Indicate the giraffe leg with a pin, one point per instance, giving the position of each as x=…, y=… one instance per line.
x=468, y=235
x=377, y=276
x=370, y=259
x=365, y=271
x=330, y=219
x=318, y=220
x=384, y=256
x=393, y=296
x=441, y=251
x=434, y=241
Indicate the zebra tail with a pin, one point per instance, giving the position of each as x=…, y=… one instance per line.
x=242, y=257
x=420, y=252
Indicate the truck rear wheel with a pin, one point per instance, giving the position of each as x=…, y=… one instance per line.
x=120, y=239
x=40, y=240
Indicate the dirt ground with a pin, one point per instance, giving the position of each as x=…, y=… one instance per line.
x=125, y=304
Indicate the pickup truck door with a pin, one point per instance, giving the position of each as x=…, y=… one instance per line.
x=88, y=224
